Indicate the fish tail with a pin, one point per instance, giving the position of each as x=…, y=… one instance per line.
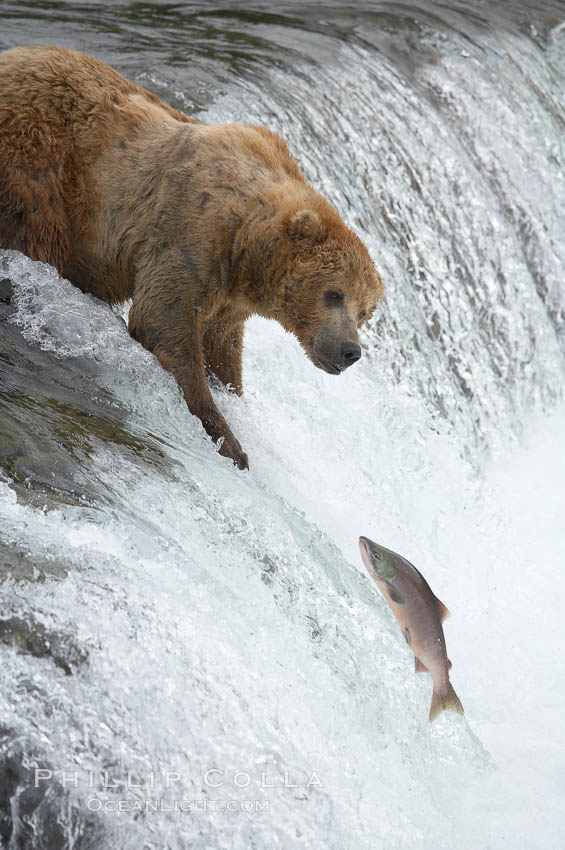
x=448, y=701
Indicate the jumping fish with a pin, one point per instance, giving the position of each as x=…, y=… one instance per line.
x=420, y=615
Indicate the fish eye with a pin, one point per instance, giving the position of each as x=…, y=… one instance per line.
x=333, y=298
x=377, y=555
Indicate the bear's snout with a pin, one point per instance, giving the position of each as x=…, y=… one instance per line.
x=337, y=359
x=336, y=345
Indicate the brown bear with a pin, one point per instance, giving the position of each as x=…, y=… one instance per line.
x=200, y=225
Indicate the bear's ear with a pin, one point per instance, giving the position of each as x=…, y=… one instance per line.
x=306, y=225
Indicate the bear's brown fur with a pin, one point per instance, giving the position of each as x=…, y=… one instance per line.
x=200, y=225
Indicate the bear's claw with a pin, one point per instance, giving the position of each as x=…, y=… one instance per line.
x=231, y=448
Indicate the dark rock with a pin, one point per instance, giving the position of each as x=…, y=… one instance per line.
x=53, y=416
x=6, y=290
x=33, y=638
x=22, y=566
x=31, y=807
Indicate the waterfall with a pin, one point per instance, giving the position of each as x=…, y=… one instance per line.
x=194, y=657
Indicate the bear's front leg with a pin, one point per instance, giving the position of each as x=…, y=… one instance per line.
x=179, y=351
x=223, y=348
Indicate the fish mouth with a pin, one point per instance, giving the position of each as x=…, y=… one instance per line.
x=366, y=552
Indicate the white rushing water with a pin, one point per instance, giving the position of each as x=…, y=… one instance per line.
x=230, y=634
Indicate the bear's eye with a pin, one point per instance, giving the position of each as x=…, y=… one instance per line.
x=362, y=315
x=333, y=298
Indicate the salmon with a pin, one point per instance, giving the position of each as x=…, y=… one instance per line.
x=420, y=615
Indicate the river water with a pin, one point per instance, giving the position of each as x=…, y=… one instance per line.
x=193, y=657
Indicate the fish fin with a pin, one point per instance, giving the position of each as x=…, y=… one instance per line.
x=406, y=633
x=421, y=668
x=442, y=610
x=394, y=594
x=449, y=664
x=449, y=701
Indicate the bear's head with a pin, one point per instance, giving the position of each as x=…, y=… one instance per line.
x=329, y=286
